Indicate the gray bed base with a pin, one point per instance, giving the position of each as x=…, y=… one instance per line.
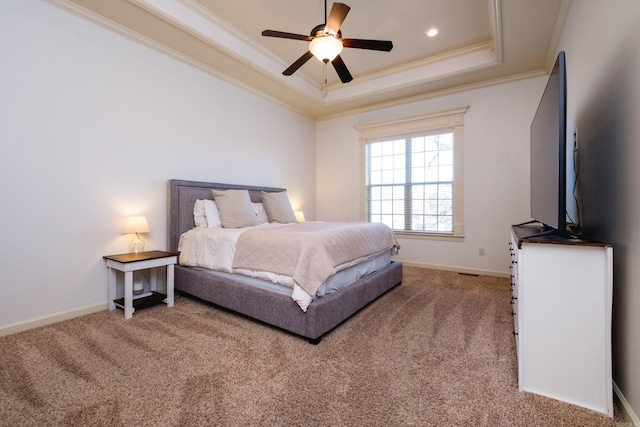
x=322, y=315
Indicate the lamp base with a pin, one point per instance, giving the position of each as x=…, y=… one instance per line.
x=136, y=245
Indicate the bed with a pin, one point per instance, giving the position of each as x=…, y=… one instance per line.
x=257, y=298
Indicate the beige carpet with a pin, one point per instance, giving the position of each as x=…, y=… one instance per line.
x=436, y=351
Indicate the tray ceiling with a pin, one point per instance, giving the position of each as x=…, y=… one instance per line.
x=480, y=42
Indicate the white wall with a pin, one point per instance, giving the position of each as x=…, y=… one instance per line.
x=601, y=42
x=496, y=172
x=92, y=125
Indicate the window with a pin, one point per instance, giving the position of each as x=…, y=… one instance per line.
x=409, y=183
x=413, y=174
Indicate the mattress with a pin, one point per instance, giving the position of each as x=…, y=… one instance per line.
x=340, y=280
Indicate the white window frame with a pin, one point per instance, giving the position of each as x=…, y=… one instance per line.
x=444, y=121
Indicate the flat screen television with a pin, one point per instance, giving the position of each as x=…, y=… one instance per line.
x=548, y=152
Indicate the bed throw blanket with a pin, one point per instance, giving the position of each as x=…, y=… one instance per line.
x=310, y=251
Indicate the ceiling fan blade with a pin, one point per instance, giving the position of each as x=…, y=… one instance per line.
x=283, y=35
x=299, y=63
x=341, y=69
x=383, y=45
x=336, y=17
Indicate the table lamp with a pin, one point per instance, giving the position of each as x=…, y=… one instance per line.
x=136, y=225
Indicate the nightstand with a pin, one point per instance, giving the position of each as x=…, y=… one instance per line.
x=128, y=263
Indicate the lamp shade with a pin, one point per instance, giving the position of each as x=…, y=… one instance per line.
x=136, y=224
x=299, y=216
x=325, y=48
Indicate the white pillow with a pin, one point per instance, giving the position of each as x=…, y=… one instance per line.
x=198, y=214
x=212, y=214
x=235, y=207
x=261, y=213
x=278, y=207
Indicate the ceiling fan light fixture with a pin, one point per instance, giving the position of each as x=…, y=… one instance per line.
x=325, y=48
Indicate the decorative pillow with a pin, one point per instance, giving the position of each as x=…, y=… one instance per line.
x=261, y=213
x=212, y=214
x=198, y=214
x=278, y=207
x=235, y=207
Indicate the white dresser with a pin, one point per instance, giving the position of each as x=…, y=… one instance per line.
x=562, y=290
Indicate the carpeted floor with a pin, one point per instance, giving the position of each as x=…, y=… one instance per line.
x=436, y=351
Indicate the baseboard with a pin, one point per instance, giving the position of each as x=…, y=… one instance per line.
x=456, y=269
x=48, y=320
x=625, y=409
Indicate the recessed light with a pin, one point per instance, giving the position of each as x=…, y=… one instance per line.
x=431, y=32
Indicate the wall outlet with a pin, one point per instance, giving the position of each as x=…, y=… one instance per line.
x=481, y=251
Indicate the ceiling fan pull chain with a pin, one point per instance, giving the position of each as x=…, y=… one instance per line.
x=324, y=80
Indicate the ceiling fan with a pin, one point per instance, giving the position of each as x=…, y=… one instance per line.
x=326, y=42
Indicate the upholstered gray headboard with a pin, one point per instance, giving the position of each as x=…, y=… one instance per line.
x=181, y=197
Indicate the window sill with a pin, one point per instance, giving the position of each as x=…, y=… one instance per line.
x=429, y=236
